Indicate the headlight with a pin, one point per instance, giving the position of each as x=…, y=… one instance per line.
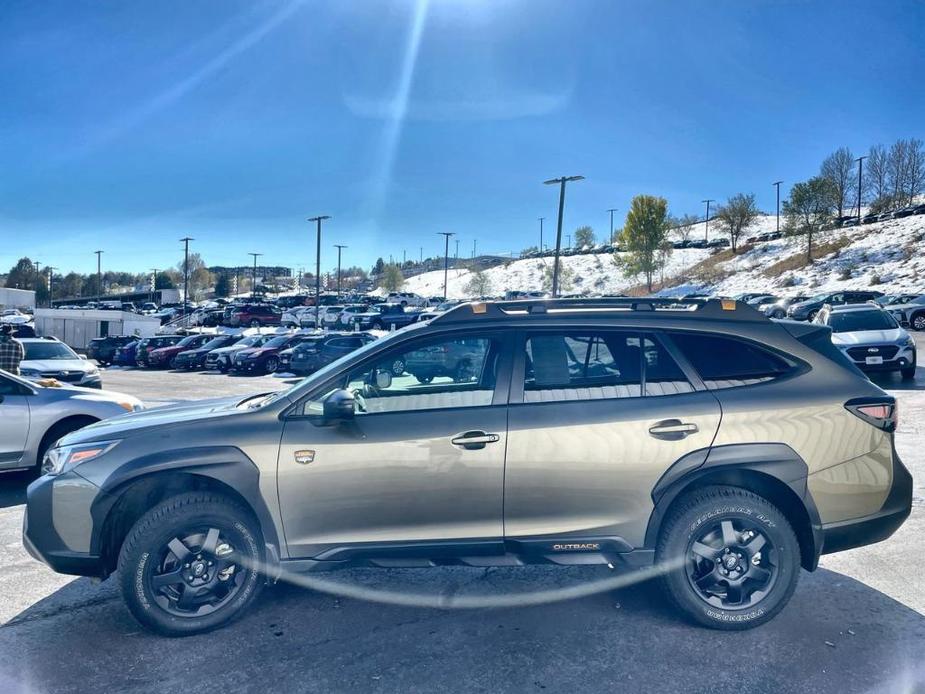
x=63, y=458
x=30, y=373
x=909, y=342
x=92, y=371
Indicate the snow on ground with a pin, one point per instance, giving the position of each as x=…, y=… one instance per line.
x=594, y=273
x=886, y=256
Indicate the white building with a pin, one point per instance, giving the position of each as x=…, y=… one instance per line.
x=76, y=327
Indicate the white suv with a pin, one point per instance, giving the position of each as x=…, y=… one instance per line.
x=46, y=357
x=405, y=299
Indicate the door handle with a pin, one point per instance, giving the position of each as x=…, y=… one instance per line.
x=474, y=440
x=672, y=429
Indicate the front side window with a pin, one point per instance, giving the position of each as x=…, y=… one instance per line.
x=724, y=362
x=436, y=374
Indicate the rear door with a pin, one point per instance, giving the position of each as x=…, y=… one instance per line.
x=596, y=417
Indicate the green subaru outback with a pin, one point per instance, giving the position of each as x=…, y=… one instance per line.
x=697, y=440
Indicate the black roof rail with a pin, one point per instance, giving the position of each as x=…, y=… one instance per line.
x=722, y=309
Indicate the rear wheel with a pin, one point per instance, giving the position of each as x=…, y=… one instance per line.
x=190, y=564
x=271, y=364
x=918, y=321
x=732, y=559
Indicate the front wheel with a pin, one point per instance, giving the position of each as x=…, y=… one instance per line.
x=918, y=321
x=190, y=564
x=731, y=558
x=255, y=323
x=271, y=365
x=908, y=374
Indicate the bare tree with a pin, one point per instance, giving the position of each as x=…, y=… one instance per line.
x=897, y=171
x=685, y=226
x=915, y=169
x=739, y=213
x=838, y=169
x=875, y=168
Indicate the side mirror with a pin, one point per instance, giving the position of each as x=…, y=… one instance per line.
x=383, y=379
x=339, y=406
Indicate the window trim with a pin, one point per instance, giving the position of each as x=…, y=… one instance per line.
x=500, y=396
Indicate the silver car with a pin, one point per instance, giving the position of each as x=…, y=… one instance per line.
x=911, y=313
x=46, y=357
x=33, y=416
x=871, y=338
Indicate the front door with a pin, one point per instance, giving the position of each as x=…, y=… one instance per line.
x=14, y=423
x=596, y=417
x=422, y=461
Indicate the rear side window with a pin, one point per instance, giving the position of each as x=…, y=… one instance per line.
x=724, y=362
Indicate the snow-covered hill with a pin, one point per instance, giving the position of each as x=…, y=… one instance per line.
x=593, y=273
x=887, y=256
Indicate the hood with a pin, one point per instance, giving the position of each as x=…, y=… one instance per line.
x=136, y=422
x=230, y=348
x=804, y=304
x=57, y=364
x=869, y=337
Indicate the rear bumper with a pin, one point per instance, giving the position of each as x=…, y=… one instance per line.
x=867, y=530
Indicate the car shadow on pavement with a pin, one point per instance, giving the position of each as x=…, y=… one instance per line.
x=892, y=381
x=836, y=635
x=13, y=487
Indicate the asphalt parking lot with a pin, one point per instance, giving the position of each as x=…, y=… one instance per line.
x=855, y=625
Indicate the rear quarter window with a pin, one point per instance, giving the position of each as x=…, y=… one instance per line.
x=725, y=362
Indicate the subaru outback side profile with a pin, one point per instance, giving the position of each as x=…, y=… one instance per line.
x=697, y=439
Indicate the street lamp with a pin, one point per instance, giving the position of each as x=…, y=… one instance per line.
x=611, y=210
x=318, y=221
x=446, y=257
x=555, y=267
x=776, y=184
x=99, y=275
x=541, y=233
x=339, y=248
x=254, y=275
x=860, y=161
x=51, y=289
x=706, y=221
x=186, y=240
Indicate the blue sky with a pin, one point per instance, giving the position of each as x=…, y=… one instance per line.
x=127, y=125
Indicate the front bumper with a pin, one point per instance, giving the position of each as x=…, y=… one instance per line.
x=58, y=524
x=878, y=526
x=904, y=359
x=249, y=366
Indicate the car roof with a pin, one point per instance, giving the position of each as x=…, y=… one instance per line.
x=847, y=308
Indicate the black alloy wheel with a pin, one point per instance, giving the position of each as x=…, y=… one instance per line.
x=732, y=564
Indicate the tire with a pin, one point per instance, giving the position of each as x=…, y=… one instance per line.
x=60, y=430
x=463, y=372
x=377, y=325
x=255, y=323
x=173, y=364
x=149, y=551
x=270, y=365
x=398, y=367
x=908, y=374
x=811, y=316
x=717, y=519
x=918, y=321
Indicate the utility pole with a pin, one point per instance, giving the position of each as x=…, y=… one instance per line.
x=51, y=281
x=456, y=257
x=186, y=240
x=339, y=248
x=776, y=184
x=446, y=257
x=611, y=210
x=38, y=272
x=541, y=233
x=318, y=221
x=555, y=267
x=153, y=283
x=99, y=275
x=860, y=161
x=404, y=257
x=421, y=261
x=254, y=275
x=474, y=246
x=706, y=221
x=568, y=240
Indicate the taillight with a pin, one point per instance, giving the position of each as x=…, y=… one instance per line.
x=882, y=413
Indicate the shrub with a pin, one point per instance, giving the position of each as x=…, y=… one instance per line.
x=875, y=279
x=846, y=273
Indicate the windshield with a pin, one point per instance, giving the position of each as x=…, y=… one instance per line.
x=278, y=341
x=48, y=350
x=852, y=321
x=216, y=343
x=187, y=341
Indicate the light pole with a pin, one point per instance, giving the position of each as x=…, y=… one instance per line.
x=776, y=184
x=186, y=240
x=555, y=266
x=611, y=210
x=153, y=283
x=318, y=221
x=474, y=244
x=99, y=275
x=51, y=282
x=446, y=257
x=456, y=257
x=568, y=240
x=706, y=221
x=541, y=233
x=339, y=248
x=254, y=275
x=860, y=161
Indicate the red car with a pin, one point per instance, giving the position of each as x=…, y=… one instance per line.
x=164, y=357
x=255, y=315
